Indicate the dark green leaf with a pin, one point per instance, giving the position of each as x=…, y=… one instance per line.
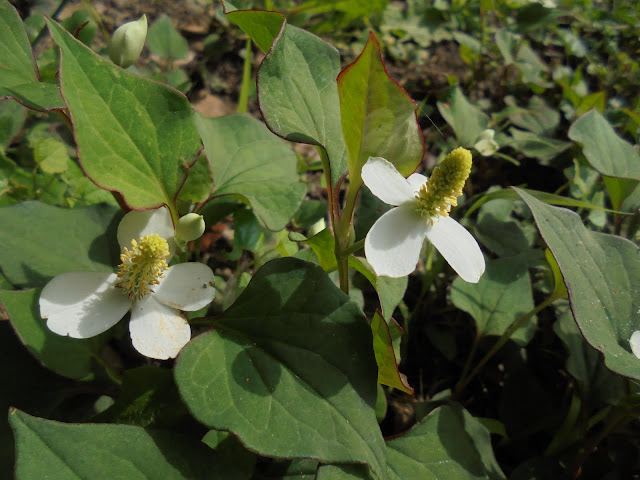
x=290, y=359
x=44, y=241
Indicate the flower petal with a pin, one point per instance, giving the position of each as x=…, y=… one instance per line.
x=385, y=182
x=186, y=286
x=158, y=331
x=393, y=244
x=135, y=225
x=634, y=341
x=416, y=181
x=458, y=248
x=82, y=304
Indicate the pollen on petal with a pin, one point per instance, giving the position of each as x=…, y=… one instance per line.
x=436, y=197
x=143, y=265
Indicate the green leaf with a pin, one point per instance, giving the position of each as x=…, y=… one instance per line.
x=538, y=117
x=51, y=155
x=247, y=160
x=12, y=118
x=44, y=241
x=262, y=27
x=149, y=398
x=66, y=356
x=378, y=116
x=165, y=41
x=388, y=373
x=598, y=385
x=605, y=151
x=239, y=462
x=467, y=120
x=501, y=296
x=134, y=136
x=199, y=183
x=53, y=450
x=602, y=275
x=290, y=359
x=448, y=443
x=550, y=198
x=342, y=472
x=298, y=94
x=19, y=77
x=537, y=146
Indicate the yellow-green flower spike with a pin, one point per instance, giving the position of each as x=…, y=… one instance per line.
x=142, y=266
x=437, y=196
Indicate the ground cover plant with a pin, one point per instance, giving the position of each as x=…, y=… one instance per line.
x=332, y=240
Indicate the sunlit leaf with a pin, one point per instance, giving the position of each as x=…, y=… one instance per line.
x=602, y=275
x=134, y=136
x=378, y=116
x=19, y=77
x=248, y=160
x=298, y=94
x=605, y=151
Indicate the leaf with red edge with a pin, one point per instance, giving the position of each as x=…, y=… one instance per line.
x=388, y=373
x=378, y=116
x=134, y=136
x=19, y=77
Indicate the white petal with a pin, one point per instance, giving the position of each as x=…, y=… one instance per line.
x=186, y=286
x=416, y=181
x=385, y=182
x=393, y=244
x=158, y=331
x=634, y=341
x=82, y=304
x=458, y=248
x=135, y=225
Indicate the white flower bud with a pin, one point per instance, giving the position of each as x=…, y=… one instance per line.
x=190, y=227
x=486, y=145
x=127, y=42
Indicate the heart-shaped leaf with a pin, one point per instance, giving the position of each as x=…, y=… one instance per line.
x=19, y=77
x=602, y=275
x=134, y=136
x=378, y=116
x=248, y=160
x=291, y=359
x=298, y=94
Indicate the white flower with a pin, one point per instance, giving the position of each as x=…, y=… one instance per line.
x=393, y=244
x=85, y=304
x=634, y=341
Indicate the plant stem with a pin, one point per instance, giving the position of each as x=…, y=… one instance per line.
x=243, y=100
x=519, y=322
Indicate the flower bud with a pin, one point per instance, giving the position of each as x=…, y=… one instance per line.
x=190, y=227
x=127, y=42
x=486, y=145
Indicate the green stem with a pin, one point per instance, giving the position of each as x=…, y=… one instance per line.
x=113, y=375
x=355, y=247
x=519, y=322
x=243, y=100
